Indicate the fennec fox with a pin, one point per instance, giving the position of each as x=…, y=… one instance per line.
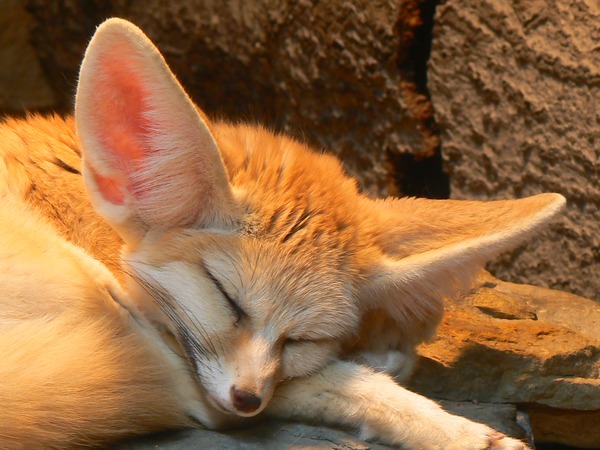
x=256, y=277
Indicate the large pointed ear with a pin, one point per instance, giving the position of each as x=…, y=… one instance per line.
x=431, y=249
x=149, y=158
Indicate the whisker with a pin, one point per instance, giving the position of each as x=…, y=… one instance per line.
x=200, y=328
x=165, y=302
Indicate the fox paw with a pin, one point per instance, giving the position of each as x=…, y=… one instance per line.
x=486, y=439
x=476, y=436
x=500, y=442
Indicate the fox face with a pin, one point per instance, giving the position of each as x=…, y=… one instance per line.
x=256, y=258
x=244, y=322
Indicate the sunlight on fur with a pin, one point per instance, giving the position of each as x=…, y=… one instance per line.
x=253, y=279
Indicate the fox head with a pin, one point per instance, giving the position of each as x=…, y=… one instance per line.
x=254, y=257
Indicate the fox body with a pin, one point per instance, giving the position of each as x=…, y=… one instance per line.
x=254, y=278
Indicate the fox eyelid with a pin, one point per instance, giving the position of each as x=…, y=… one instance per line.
x=239, y=312
x=298, y=340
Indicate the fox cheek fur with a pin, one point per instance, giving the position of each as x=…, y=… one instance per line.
x=243, y=332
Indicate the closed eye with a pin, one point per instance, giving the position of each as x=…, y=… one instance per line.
x=299, y=340
x=237, y=310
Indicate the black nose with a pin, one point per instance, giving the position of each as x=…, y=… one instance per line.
x=244, y=401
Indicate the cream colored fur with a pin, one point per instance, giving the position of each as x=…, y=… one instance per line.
x=258, y=280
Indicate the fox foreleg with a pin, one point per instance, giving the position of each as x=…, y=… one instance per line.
x=348, y=394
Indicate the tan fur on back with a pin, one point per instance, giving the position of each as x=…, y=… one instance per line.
x=41, y=162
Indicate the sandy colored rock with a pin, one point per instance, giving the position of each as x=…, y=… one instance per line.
x=514, y=85
x=551, y=367
x=569, y=427
x=559, y=308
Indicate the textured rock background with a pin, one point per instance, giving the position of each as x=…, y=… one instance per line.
x=322, y=71
x=515, y=87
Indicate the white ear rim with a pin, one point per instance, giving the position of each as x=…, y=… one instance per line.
x=480, y=249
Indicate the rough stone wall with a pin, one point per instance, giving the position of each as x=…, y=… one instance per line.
x=325, y=72
x=22, y=83
x=516, y=92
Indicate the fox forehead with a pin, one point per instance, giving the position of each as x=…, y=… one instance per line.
x=284, y=293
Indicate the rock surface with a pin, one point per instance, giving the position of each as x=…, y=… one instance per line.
x=274, y=435
x=22, y=84
x=325, y=72
x=514, y=85
x=278, y=435
x=501, y=345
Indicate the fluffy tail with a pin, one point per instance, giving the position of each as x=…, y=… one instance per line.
x=73, y=381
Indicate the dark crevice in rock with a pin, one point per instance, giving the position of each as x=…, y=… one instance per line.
x=423, y=175
x=414, y=29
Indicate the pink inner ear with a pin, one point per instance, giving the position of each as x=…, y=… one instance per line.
x=120, y=100
x=109, y=188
